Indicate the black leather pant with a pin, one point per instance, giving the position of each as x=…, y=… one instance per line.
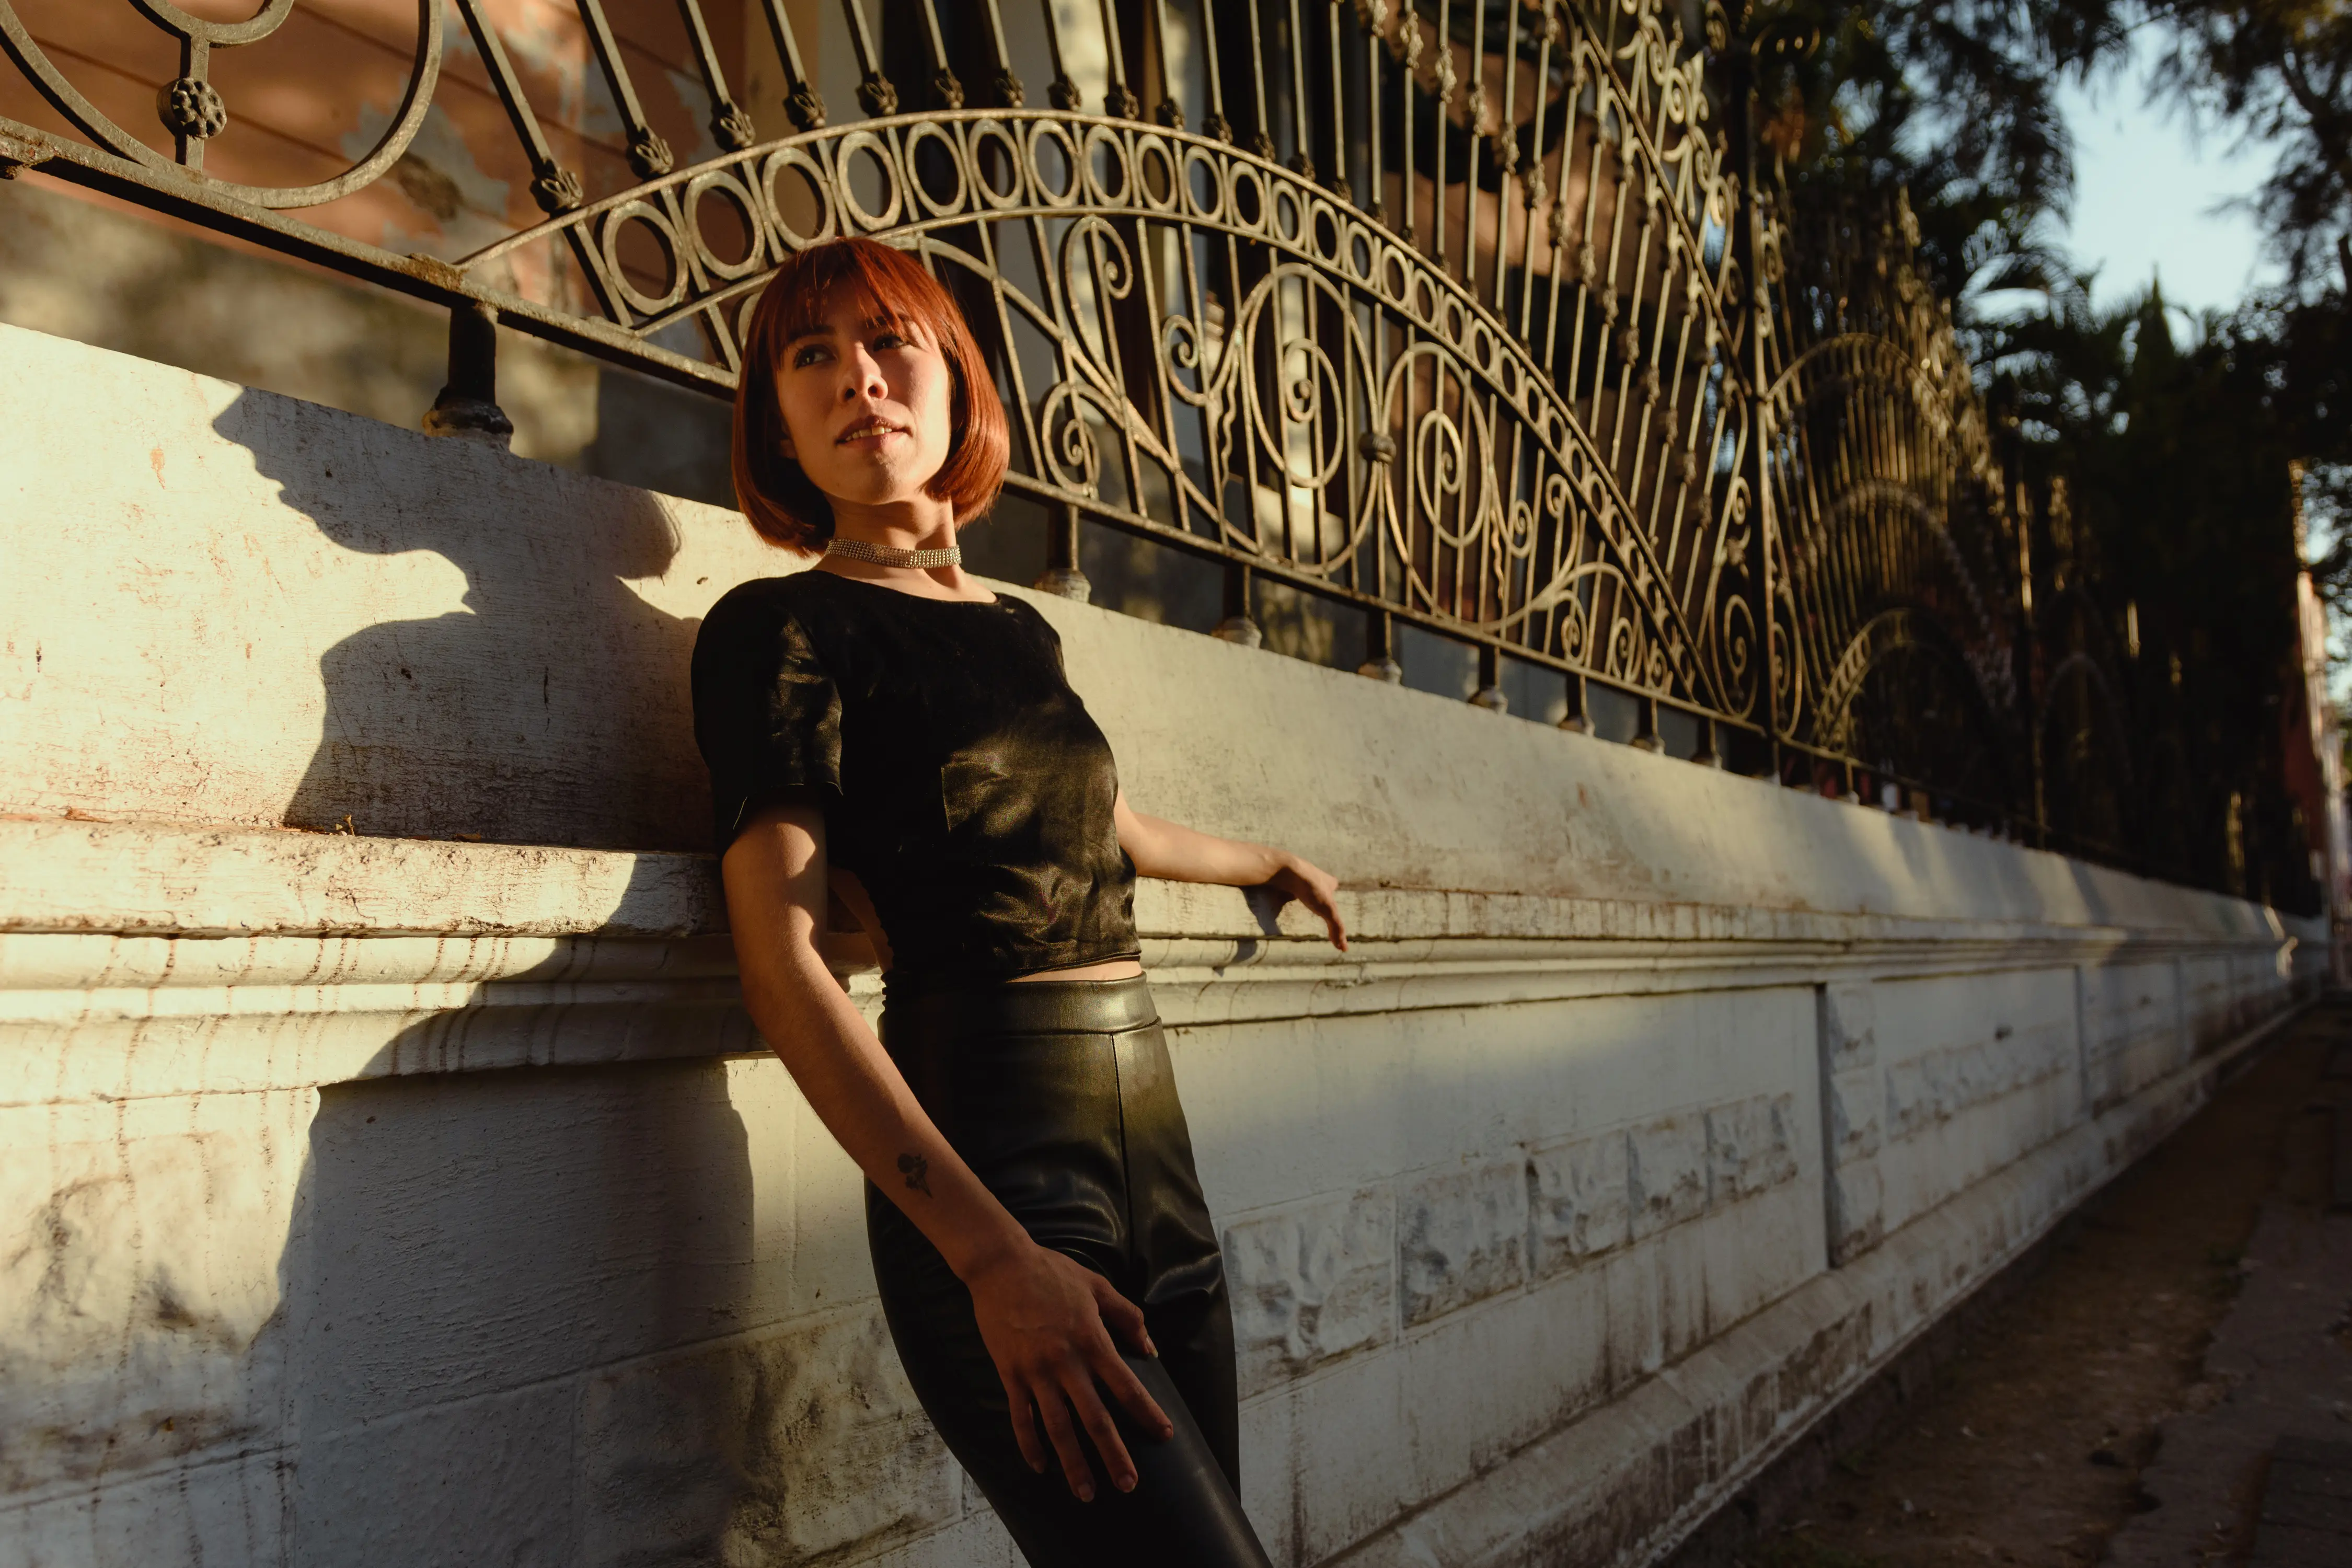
x=1059, y=1096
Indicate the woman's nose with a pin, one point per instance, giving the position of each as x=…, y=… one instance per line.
x=865, y=376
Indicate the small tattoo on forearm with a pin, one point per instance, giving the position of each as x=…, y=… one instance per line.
x=917, y=1171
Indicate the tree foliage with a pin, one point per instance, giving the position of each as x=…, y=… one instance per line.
x=2278, y=72
x=2151, y=456
x=1956, y=103
x=1957, y=100
x=2160, y=462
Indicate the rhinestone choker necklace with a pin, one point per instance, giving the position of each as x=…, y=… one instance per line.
x=883, y=555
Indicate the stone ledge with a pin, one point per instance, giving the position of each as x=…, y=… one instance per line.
x=331, y=1009
x=167, y=878
x=164, y=879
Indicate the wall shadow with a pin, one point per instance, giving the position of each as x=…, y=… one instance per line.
x=479, y=1263
x=487, y=1267
x=552, y=708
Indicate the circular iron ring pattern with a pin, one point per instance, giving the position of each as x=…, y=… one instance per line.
x=1056, y=167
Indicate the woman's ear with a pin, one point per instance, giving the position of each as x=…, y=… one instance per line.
x=790, y=450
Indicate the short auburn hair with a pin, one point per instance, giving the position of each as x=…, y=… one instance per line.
x=775, y=493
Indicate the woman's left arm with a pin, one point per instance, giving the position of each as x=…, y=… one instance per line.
x=1176, y=853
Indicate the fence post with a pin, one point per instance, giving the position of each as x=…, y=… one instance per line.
x=1645, y=725
x=1489, y=694
x=1707, y=755
x=2026, y=663
x=1237, y=627
x=1061, y=575
x=1578, y=720
x=1380, y=649
x=467, y=406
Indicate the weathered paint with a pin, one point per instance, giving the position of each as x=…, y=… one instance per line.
x=399, y=1197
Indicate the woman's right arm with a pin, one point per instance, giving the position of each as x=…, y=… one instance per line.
x=1043, y=1316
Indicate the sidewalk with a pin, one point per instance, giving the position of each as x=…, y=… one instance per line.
x=2125, y=1403
x=2263, y=1473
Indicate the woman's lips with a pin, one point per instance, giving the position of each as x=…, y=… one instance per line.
x=870, y=431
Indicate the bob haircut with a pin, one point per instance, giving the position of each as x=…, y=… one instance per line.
x=778, y=498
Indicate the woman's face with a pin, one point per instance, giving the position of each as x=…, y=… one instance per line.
x=865, y=408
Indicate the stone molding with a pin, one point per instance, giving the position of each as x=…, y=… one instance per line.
x=1624, y=1483
x=171, y=879
x=428, y=942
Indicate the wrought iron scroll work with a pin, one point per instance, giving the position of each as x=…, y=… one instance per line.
x=1894, y=546
x=1443, y=313
x=194, y=111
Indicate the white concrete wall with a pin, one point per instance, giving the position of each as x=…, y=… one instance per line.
x=418, y=1194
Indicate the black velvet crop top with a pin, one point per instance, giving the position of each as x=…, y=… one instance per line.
x=960, y=777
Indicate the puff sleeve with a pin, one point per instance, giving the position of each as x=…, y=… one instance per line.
x=767, y=712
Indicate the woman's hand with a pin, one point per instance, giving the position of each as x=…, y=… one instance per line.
x=1047, y=1321
x=1313, y=886
x=1161, y=848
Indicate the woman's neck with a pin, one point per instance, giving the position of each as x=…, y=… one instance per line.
x=923, y=524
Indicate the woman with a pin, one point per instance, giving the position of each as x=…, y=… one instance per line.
x=885, y=729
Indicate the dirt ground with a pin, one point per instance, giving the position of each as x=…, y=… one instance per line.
x=2028, y=1448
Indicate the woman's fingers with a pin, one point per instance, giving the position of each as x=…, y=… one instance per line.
x=1054, y=1410
x=1099, y=1427
x=1122, y=1317
x=1323, y=906
x=1048, y=1321
x=1127, y=1389
x=1314, y=887
x=1125, y=1321
x=1024, y=1427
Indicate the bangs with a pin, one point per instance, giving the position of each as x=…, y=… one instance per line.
x=828, y=275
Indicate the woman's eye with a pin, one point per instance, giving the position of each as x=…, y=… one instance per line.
x=806, y=354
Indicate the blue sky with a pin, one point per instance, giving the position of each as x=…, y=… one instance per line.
x=2148, y=187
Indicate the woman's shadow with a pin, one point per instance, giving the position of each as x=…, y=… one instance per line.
x=552, y=708
x=497, y=1295
x=478, y=1259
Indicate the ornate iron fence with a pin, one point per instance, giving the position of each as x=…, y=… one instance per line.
x=1901, y=581
x=1475, y=317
